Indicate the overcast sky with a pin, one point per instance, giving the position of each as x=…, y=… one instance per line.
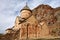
x=9, y=9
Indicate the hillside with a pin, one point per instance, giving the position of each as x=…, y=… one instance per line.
x=43, y=13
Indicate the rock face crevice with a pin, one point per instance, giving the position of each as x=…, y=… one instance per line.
x=44, y=22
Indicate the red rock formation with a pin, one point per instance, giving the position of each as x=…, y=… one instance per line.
x=45, y=22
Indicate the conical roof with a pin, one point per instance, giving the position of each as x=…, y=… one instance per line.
x=26, y=7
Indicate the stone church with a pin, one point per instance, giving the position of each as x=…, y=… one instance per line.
x=36, y=23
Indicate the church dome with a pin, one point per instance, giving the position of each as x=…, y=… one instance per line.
x=26, y=8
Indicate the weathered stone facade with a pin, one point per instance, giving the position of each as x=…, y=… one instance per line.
x=40, y=24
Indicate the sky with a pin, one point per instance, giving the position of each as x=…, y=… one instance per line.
x=9, y=9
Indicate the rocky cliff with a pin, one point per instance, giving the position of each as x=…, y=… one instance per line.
x=43, y=13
